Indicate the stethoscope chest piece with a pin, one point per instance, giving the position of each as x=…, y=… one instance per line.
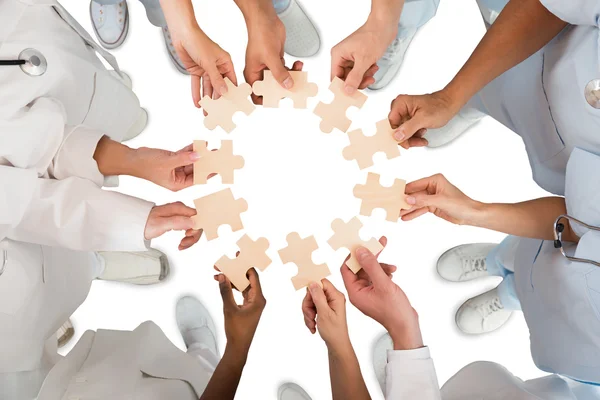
x=592, y=93
x=35, y=62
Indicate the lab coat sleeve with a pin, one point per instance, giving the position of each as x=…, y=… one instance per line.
x=72, y=213
x=410, y=374
x=575, y=12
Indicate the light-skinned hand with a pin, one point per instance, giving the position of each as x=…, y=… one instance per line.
x=374, y=293
x=171, y=170
x=438, y=196
x=172, y=217
x=411, y=116
x=241, y=321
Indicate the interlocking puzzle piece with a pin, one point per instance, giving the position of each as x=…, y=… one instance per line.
x=272, y=92
x=347, y=235
x=333, y=115
x=220, y=112
x=218, y=209
x=362, y=148
x=252, y=255
x=392, y=199
x=299, y=251
x=221, y=161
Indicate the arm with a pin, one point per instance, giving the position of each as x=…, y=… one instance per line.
x=532, y=219
x=355, y=58
x=241, y=323
x=523, y=27
x=410, y=373
x=205, y=60
x=325, y=310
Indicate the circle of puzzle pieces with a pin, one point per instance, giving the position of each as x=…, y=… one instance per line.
x=299, y=251
x=347, y=235
x=373, y=195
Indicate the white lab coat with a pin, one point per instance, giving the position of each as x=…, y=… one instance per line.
x=141, y=364
x=411, y=375
x=543, y=98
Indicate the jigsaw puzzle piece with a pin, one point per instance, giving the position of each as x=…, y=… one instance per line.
x=252, y=254
x=299, y=251
x=220, y=112
x=374, y=195
x=347, y=235
x=220, y=161
x=333, y=115
x=362, y=148
x=272, y=92
x=217, y=209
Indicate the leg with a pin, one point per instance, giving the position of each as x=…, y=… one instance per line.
x=415, y=14
x=139, y=268
x=302, y=38
x=198, y=331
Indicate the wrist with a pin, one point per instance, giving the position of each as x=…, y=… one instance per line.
x=406, y=335
x=478, y=214
x=180, y=15
x=341, y=347
x=257, y=12
x=114, y=158
x=235, y=356
x=456, y=94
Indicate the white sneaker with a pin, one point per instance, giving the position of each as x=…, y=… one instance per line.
x=195, y=324
x=465, y=262
x=65, y=333
x=482, y=314
x=138, y=126
x=383, y=344
x=110, y=22
x=458, y=125
x=139, y=268
x=391, y=61
x=172, y=52
x=291, y=391
x=302, y=38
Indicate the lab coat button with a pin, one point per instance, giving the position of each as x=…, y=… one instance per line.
x=592, y=93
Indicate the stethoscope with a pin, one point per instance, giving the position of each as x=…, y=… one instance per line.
x=559, y=228
x=31, y=61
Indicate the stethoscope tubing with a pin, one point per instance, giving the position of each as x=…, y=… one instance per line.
x=12, y=62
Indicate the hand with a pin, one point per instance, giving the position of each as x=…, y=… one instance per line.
x=441, y=198
x=241, y=321
x=325, y=309
x=172, y=217
x=171, y=170
x=413, y=115
x=266, y=39
x=374, y=293
x=354, y=59
x=206, y=62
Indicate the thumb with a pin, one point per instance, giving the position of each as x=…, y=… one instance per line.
x=318, y=296
x=369, y=263
x=280, y=73
x=410, y=127
x=175, y=223
x=355, y=76
x=226, y=292
x=184, y=158
x=424, y=199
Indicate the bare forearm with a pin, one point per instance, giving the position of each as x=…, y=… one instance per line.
x=226, y=378
x=523, y=27
x=387, y=12
x=179, y=14
x=347, y=382
x=114, y=158
x=532, y=219
x=254, y=10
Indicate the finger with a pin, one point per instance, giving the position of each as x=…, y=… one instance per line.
x=372, y=70
x=217, y=81
x=319, y=298
x=175, y=223
x=207, y=87
x=297, y=66
x=335, y=298
x=196, y=90
x=280, y=73
x=369, y=263
x=383, y=240
x=389, y=269
x=177, y=208
x=226, y=292
x=255, y=281
x=415, y=214
x=366, y=82
x=183, y=158
x=337, y=67
x=349, y=277
x=422, y=184
x=410, y=127
x=355, y=77
x=230, y=73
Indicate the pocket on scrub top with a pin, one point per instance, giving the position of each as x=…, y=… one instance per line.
x=21, y=274
x=114, y=108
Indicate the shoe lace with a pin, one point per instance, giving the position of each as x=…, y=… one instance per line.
x=474, y=264
x=489, y=307
x=391, y=49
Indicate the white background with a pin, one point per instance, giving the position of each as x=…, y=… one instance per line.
x=296, y=179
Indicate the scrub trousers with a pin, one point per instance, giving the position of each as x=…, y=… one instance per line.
x=501, y=262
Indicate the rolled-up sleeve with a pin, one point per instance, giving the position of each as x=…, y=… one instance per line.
x=410, y=374
x=73, y=213
x=575, y=12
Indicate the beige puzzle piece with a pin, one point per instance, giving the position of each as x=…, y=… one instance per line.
x=299, y=251
x=218, y=209
x=220, y=161
x=252, y=255
x=333, y=115
x=220, y=112
x=272, y=92
x=347, y=235
x=362, y=148
x=392, y=199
